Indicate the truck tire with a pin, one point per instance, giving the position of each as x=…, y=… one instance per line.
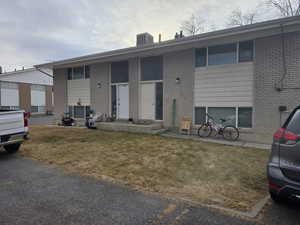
x=13, y=148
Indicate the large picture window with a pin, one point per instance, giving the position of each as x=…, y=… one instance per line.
x=225, y=54
x=222, y=54
x=119, y=72
x=244, y=119
x=152, y=68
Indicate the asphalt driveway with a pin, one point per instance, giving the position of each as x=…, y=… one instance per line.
x=32, y=193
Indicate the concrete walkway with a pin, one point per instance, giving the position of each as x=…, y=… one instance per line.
x=218, y=141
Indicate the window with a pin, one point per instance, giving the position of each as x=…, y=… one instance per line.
x=79, y=112
x=38, y=109
x=119, y=72
x=151, y=68
x=200, y=115
x=201, y=56
x=222, y=54
x=78, y=73
x=159, y=101
x=292, y=124
x=245, y=51
x=245, y=117
x=227, y=113
x=87, y=72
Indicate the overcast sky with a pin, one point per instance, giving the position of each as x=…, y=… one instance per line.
x=39, y=31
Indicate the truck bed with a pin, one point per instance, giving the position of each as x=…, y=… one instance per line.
x=11, y=122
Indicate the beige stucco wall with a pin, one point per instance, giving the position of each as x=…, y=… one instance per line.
x=99, y=73
x=178, y=65
x=60, y=92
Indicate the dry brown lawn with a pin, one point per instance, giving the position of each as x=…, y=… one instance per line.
x=209, y=173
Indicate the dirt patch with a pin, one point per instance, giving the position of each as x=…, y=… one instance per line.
x=227, y=176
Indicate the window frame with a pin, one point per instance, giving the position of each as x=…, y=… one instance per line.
x=236, y=114
x=237, y=60
x=71, y=77
x=72, y=107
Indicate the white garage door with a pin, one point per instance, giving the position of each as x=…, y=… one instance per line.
x=9, y=94
x=38, y=98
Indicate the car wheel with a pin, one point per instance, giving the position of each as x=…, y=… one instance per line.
x=276, y=198
x=13, y=148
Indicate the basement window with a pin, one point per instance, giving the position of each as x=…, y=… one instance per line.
x=152, y=68
x=119, y=72
x=79, y=112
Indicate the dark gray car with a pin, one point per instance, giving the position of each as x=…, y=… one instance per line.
x=284, y=164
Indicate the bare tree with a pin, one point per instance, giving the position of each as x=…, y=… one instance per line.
x=286, y=7
x=238, y=18
x=193, y=25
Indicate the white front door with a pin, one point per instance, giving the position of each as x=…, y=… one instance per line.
x=147, y=101
x=123, y=101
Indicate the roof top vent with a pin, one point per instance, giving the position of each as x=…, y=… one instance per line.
x=144, y=39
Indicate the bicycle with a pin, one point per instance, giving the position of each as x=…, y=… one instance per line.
x=229, y=132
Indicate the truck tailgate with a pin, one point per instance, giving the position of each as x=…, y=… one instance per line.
x=11, y=122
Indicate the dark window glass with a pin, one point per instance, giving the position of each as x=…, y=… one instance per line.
x=71, y=111
x=246, y=51
x=87, y=111
x=201, y=56
x=227, y=113
x=159, y=101
x=78, y=73
x=114, y=101
x=87, y=72
x=245, y=117
x=200, y=115
x=151, y=68
x=69, y=73
x=293, y=123
x=119, y=72
x=79, y=111
x=222, y=54
x=34, y=109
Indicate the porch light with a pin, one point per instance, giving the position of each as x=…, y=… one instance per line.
x=178, y=80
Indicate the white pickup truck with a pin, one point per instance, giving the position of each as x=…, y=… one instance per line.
x=13, y=129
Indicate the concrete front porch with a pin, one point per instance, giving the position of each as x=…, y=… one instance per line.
x=125, y=126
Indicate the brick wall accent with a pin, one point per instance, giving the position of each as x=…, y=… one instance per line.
x=268, y=71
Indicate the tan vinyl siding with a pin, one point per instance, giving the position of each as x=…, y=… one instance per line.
x=79, y=90
x=226, y=85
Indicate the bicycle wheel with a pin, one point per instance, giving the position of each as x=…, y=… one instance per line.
x=205, y=130
x=231, y=133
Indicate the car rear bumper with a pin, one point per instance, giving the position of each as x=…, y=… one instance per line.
x=280, y=185
x=13, y=139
